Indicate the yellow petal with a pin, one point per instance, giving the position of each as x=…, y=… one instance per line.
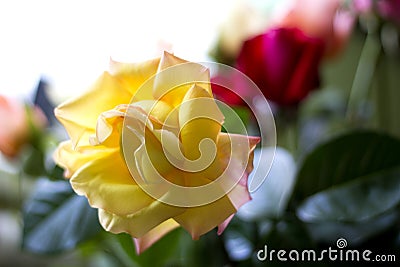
x=72, y=159
x=144, y=242
x=155, y=168
x=168, y=60
x=141, y=222
x=175, y=77
x=107, y=184
x=200, y=220
x=134, y=75
x=147, y=158
x=80, y=115
x=199, y=119
x=239, y=148
x=235, y=153
x=160, y=111
x=108, y=129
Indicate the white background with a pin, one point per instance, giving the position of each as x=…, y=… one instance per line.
x=70, y=42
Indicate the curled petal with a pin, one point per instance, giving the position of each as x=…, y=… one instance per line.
x=72, y=159
x=108, y=124
x=159, y=110
x=140, y=223
x=144, y=242
x=74, y=114
x=224, y=224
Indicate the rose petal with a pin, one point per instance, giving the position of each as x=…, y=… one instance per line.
x=141, y=222
x=176, y=76
x=72, y=159
x=108, y=185
x=168, y=60
x=160, y=110
x=109, y=125
x=133, y=75
x=284, y=63
x=311, y=51
x=198, y=123
x=232, y=147
x=224, y=224
x=144, y=242
x=74, y=114
x=200, y=220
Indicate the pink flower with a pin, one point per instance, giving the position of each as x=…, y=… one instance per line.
x=16, y=121
x=389, y=9
x=283, y=63
x=362, y=6
x=321, y=19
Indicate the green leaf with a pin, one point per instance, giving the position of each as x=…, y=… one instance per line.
x=165, y=252
x=209, y=250
x=287, y=232
x=55, y=172
x=174, y=249
x=236, y=118
x=354, y=232
x=327, y=102
x=357, y=200
x=350, y=187
x=33, y=164
x=343, y=159
x=56, y=219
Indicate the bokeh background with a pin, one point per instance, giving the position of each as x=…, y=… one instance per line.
x=329, y=68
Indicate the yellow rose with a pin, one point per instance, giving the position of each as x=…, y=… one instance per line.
x=146, y=149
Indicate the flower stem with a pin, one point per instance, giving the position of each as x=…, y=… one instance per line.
x=20, y=192
x=363, y=77
x=386, y=95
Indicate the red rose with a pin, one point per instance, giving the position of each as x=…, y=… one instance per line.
x=231, y=96
x=283, y=63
